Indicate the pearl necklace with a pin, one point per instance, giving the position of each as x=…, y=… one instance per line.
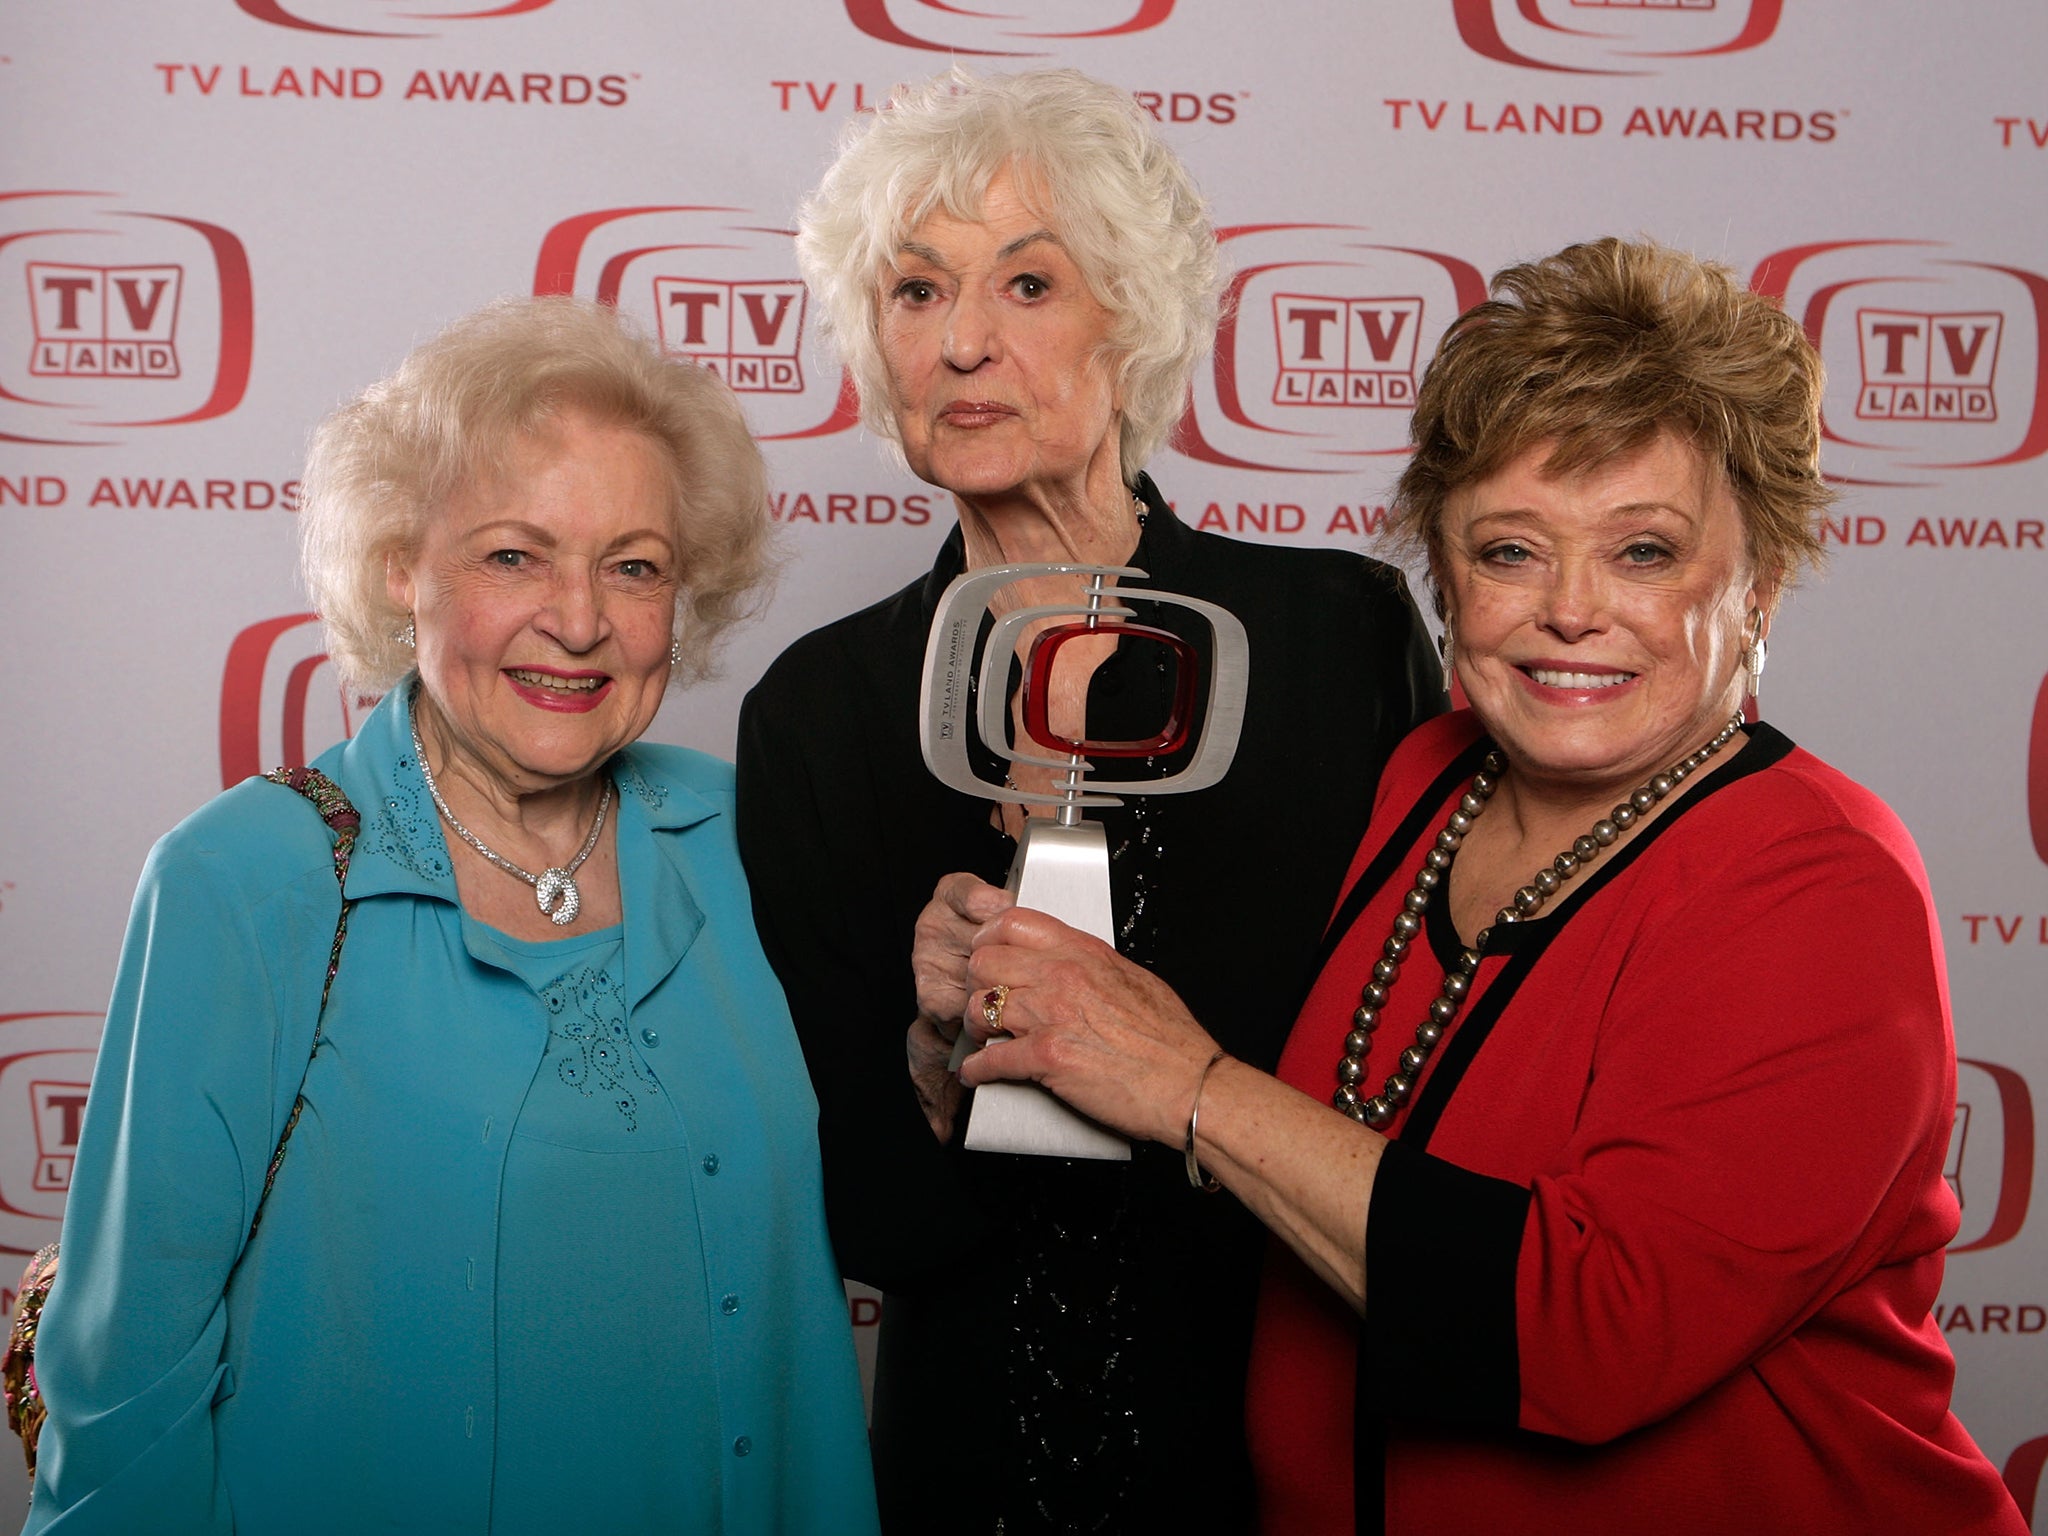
x=553, y=889
x=1379, y=1111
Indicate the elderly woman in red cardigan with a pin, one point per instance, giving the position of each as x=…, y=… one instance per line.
x=1605, y=1156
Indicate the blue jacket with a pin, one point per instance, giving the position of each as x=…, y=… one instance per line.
x=345, y=1381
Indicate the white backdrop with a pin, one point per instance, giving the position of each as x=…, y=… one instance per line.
x=219, y=218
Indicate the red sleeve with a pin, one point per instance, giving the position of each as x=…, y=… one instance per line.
x=1765, y=1116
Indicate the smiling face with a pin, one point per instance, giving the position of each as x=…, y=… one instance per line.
x=993, y=346
x=1600, y=616
x=545, y=609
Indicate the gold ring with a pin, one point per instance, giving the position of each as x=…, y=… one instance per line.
x=992, y=1006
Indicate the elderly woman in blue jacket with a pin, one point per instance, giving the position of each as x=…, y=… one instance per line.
x=546, y=1249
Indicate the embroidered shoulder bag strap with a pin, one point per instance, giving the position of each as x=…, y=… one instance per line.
x=25, y=1410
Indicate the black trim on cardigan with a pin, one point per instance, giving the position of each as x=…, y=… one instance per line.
x=1446, y=1267
x=1396, y=847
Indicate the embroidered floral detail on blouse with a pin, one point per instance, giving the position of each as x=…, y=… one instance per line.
x=594, y=1054
x=629, y=777
x=402, y=826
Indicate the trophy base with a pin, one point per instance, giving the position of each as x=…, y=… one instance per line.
x=1024, y=1118
x=1063, y=871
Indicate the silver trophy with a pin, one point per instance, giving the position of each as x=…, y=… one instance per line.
x=1062, y=862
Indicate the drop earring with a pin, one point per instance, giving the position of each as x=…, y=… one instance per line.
x=1755, y=654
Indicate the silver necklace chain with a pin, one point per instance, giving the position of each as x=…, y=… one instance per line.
x=1379, y=1110
x=553, y=889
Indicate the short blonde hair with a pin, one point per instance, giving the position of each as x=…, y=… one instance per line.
x=1597, y=350
x=448, y=419
x=1119, y=200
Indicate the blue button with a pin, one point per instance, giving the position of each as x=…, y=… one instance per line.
x=743, y=1446
x=711, y=1162
x=649, y=1038
x=729, y=1303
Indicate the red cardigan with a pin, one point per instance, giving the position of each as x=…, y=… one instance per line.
x=1667, y=1260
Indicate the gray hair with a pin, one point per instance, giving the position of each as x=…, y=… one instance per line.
x=449, y=418
x=1119, y=199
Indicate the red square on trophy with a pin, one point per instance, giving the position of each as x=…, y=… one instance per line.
x=1172, y=734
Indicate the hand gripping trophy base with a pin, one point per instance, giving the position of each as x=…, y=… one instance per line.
x=1065, y=871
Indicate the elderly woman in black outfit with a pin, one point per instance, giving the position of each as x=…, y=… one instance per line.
x=1021, y=278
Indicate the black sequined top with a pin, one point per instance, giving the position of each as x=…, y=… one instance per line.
x=1063, y=1344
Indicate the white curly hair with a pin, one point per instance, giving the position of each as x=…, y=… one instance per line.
x=1092, y=162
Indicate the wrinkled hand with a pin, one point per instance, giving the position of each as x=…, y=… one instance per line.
x=938, y=963
x=944, y=934
x=929, y=1052
x=1107, y=1036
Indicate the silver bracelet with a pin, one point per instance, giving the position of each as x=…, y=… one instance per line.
x=1206, y=1183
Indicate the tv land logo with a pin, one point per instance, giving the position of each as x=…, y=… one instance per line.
x=99, y=322
x=1928, y=367
x=123, y=319
x=371, y=19
x=1024, y=28
x=1990, y=1154
x=1322, y=346
x=281, y=704
x=1612, y=37
x=45, y=1068
x=1935, y=360
x=719, y=288
x=749, y=334
x=1346, y=350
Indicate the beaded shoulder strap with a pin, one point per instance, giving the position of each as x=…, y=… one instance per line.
x=333, y=805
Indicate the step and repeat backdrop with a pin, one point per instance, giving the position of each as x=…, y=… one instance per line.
x=220, y=218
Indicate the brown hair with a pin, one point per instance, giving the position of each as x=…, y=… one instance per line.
x=1597, y=350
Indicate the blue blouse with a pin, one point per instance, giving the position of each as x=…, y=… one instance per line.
x=599, y=1150
x=450, y=1191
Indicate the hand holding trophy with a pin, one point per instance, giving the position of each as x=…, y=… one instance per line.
x=1062, y=861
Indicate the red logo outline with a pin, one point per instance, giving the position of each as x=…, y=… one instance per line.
x=9, y=1057
x=2037, y=773
x=561, y=253
x=873, y=18
x=273, y=12
x=1479, y=27
x=237, y=321
x=2023, y=1473
x=2016, y=1170
x=1468, y=287
x=1773, y=276
x=241, y=701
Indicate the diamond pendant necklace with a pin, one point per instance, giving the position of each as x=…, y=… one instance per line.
x=1379, y=1110
x=553, y=889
